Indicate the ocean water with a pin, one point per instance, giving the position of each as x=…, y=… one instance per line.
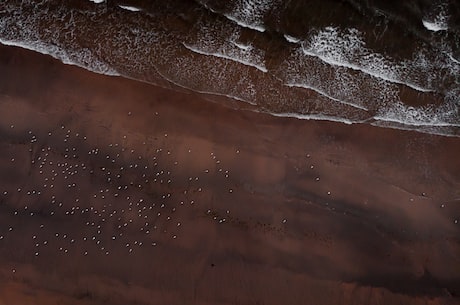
x=390, y=64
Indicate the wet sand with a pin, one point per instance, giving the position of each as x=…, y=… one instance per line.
x=118, y=192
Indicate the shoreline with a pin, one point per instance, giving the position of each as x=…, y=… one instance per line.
x=437, y=129
x=262, y=209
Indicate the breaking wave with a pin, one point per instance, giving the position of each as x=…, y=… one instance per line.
x=240, y=50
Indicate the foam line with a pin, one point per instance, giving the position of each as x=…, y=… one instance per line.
x=439, y=22
x=201, y=91
x=416, y=124
x=246, y=63
x=130, y=8
x=434, y=26
x=235, y=20
x=445, y=116
x=258, y=28
x=60, y=55
x=453, y=59
x=317, y=117
x=242, y=46
x=291, y=39
x=326, y=95
x=433, y=130
x=346, y=48
x=333, y=62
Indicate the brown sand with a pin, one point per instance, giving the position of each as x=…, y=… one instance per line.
x=253, y=209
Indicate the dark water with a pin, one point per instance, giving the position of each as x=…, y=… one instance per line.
x=387, y=63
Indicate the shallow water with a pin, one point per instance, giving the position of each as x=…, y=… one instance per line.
x=397, y=62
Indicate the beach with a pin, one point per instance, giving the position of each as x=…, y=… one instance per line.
x=114, y=191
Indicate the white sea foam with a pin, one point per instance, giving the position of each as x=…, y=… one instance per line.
x=325, y=94
x=97, y=1
x=244, y=47
x=233, y=97
x=291, y=39
x=223, y=40
x=24, y=32
x=82, y=59
x=442, y=116
x=453, y=59
x=344, y=73
x=440, y=21
x=130, y=8
x=347, y=49
x=251, y=13
x=225, y=56
x=179, y=84
x=247, y=13
x=316, y=117
x=334, y=82
x=207, y=75
x=447, y=131
x=435, y=26
x=259, y=28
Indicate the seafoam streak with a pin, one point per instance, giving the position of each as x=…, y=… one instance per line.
x=216, y=93
x=444, y=116
x=317, y=117
x=78, y=58
x=347, y=49
x=225, y=56
x=325, y=94
x=440, y=21
x=435, y=26
x=251, y=26
x=223, y=40
x=251, y=13
x=291, y=39
x=130, y=8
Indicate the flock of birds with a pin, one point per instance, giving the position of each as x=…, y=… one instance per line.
x=83, y=198
x=64, y=193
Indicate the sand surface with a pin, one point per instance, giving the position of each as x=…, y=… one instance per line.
x=118, y=192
